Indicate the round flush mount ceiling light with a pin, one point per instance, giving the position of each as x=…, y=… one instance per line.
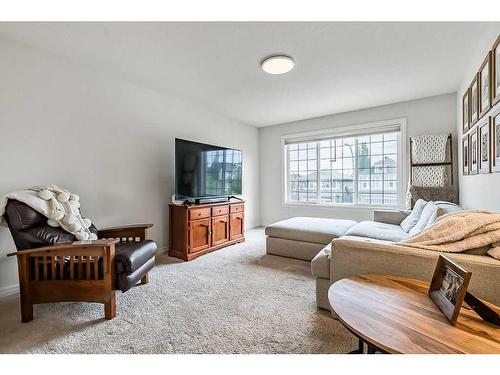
x=279, y=64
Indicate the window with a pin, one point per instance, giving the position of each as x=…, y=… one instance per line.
x=360, y=169
x=222, y=172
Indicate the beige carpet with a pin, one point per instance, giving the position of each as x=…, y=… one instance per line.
x=235, y=300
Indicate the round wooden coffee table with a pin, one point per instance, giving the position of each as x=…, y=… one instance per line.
x=394, y=314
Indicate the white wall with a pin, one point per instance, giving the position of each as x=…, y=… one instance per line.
x=433, y=115
x=477, y=191
x=110, y=141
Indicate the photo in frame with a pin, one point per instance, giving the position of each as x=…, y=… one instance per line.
x=484, y=84
x=465, y=155
x=495, y=64
x=466, y=111
x=448, y=287
x=495, y=129
x=473, y=152
x=484, y=139
x=474, y=101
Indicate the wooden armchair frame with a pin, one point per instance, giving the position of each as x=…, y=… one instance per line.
x=71, y=272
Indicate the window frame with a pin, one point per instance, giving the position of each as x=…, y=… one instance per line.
x=348, y=131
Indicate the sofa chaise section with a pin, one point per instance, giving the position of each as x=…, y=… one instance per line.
x=303, y=237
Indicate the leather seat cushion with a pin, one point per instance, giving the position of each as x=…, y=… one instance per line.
x=125, y=281
x=130, y=256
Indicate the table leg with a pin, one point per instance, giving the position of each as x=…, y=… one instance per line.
x=359, y=350
x=374, y=350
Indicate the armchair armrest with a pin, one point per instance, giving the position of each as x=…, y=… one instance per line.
x=390, y=216
x=125, y=233
x=125, y=227
x=48, y=250
x=69, y=261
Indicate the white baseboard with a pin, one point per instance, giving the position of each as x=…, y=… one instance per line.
x=162, y=251
x=9, y=290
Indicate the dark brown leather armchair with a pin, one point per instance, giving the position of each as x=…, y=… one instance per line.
x=54, y=267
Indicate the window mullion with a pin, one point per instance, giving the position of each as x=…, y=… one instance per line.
x=318, y=172
x=288, y=176
x=356, y=171
x=383, y=170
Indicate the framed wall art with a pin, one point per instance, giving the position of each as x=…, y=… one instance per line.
x=484, y=139
x=484, y=84
x=466, y=111
x=495, y=129
x=473, y=151
x=495, y=64
x=465, y=155
x=474, y=101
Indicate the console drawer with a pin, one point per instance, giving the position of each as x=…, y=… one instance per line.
x=199, y=213
x=220, y=210
x=237, y=208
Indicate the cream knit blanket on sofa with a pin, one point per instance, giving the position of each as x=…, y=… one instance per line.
x=459, y=231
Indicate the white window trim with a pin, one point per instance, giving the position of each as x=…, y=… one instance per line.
x=350, y=130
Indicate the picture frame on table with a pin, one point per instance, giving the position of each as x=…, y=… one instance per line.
x=484, y=85
x=495, y=130
x=484, y=144
x=495, y=76
x=474, y=101
x=465, y=155
x=466, y=111
x=473, y=144
x=448, y=287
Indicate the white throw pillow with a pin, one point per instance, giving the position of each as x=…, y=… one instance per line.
x=428, y=213
x=412, y=219
x=448, y=207
x=439, y=212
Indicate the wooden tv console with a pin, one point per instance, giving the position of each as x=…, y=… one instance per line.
x=198, y=229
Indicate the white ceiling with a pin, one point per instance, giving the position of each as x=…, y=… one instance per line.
x=339, y=66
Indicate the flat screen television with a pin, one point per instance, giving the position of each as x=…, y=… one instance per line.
x=205, y=171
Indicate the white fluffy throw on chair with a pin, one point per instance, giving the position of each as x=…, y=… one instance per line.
x=61, y=208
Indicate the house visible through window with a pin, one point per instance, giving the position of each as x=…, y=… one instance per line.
x=361, y=169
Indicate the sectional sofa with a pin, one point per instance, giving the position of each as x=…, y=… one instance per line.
x=343, y=248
